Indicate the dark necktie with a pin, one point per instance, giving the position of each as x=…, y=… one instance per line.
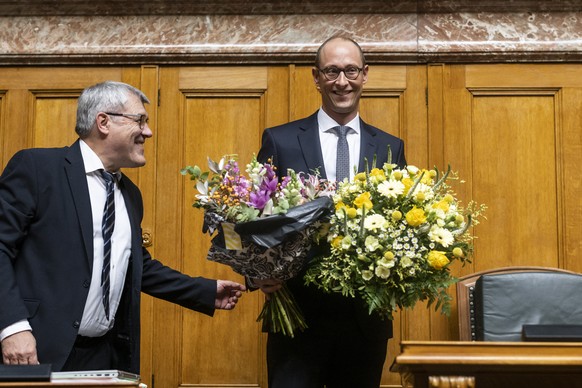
x=342, y=164
x=107, y=230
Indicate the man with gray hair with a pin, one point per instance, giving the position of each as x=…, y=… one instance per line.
x=72, y=264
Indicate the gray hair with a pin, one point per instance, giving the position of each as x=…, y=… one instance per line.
x=102, y=97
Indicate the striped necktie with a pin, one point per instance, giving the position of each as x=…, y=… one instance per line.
x=342, y=164
x=107, y=230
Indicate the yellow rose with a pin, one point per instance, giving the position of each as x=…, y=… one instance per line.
x=449, y=198
x=442, y=205
x=415, y=217
x=437, y=259
x=363, y=201
x=339, y=205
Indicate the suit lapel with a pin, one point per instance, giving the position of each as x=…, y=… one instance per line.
x=132, y=213
x=368, y=146
x=310, y=148
x=77, y=181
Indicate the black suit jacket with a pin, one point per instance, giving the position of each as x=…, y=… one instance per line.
x=296, y=145
x=46, y=257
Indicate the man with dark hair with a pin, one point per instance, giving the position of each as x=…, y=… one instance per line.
x=344, y=346
x=72, y=264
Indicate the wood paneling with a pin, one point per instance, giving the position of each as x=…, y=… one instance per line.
x=512, y=132
x=206, y=112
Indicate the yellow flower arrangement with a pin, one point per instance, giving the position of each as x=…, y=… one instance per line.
x=392, y=239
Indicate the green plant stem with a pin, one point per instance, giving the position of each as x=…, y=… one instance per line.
x=280, y=314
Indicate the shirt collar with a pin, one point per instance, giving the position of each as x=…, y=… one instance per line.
x=326, y=122
x=90, y=159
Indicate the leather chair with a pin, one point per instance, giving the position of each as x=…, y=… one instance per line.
x=495, y=305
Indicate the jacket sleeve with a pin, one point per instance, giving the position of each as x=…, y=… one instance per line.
x=194, y=293
x=161, y=281
x=17, y=208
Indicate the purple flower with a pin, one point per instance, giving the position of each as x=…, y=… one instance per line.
x=259, y=199
x=285, y=181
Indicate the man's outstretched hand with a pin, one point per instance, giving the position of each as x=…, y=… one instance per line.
x=227, y=294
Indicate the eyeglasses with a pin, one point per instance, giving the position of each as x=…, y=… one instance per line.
x=332, y=73
x=142, y=120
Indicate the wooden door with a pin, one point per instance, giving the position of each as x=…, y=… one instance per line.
x=206, y=112
x=513, y=133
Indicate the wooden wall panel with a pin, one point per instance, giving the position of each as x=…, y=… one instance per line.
x=513, y=133
x=54, y=119
x=514, y=170
x=206, y=112
x=215, y=126
x=40, y=104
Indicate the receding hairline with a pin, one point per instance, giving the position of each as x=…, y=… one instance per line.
x=343, y=38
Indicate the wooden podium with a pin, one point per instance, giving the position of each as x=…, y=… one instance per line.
x=490, y=364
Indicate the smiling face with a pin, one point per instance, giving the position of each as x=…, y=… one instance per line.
x=340, y=98
x=122, y=138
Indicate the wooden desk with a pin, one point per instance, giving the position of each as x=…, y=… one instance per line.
x=490, y=364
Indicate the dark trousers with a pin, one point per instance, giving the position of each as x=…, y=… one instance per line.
x=336, y=355
x=91, y=354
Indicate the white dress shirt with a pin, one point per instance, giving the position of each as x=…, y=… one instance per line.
x=94, y=322
x=328, y=141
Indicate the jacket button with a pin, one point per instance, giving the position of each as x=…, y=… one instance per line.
x=76, y=324
x=86, y=284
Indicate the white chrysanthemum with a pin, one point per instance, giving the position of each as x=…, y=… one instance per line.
x=439, y=213
x=391, y=188
x=375, y=222
x=382, y=272
x=426, y=190
x=372, y=244
x=441, y=236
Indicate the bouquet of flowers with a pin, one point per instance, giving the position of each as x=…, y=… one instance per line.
x=392, y=238
x=265, y=227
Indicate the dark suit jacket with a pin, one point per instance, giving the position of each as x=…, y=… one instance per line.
x=46, y=257
x=296, y=145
